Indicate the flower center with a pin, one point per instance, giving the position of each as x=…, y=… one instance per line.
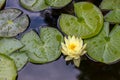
x=72, y=46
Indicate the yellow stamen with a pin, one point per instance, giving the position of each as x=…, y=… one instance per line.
x=72, y=46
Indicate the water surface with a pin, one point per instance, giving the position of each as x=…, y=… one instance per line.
x=59, y=69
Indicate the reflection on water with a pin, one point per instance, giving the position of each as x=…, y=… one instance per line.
x=58, y=70
x=98, y=71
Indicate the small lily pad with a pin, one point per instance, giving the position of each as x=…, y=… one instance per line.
x=34, y=5
x=57, y=3
x=20, y=59
x=9, y=45
x=7, y=68
x=113, y=16
x=105, y=46
x=12, y=22
x=110, y=4
x=87, y=23
x=45, y=48
x=2, y=2
x=39, y=5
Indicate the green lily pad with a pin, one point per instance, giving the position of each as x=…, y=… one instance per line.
x=34, y=5
x=113, y=16
x=12, y=22
x=57, y=3
x=110, y=4
x=105, y=46
x=7, y=68
x=45, y=48
x=9, y=45
x=87, y=23
x=39, y=5
x=20, y=59
x=2, y=2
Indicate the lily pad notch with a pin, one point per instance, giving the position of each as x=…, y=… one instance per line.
x=105, y=47
x=87, y=23
x=45, y=48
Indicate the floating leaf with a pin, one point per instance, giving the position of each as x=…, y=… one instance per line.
x=12, y=22
x=110, y=4
x=45, y=48
x=9, y=45
x=113, y=16
x=38, y=5
x=105, y=46
x=57, y=3
x=20, y=59
x=88, y=22
x=7, y=68
x=34, y=5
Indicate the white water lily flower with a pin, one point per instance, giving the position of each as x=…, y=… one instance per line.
x=73, y=49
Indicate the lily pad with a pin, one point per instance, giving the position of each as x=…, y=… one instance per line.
x=105, y=46
x=20, y=59
x=113, y=16
x=12, y=22
x=9, y=45
x=45, y=48
x=57, y=3
x=7, y=68
x=110, y=4
x=87, y=23
x=39, y=5
x=2, y=2
x=34, y=5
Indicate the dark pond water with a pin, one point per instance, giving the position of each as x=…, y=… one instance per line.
x=59, y=69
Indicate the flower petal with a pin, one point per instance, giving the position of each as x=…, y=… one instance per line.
x=68, y=58
x=80, y=42
x=84, y=46
x=77, y=62
x=69, y=37
x=64, y=52
x=77, y=57
x=83, y=53
x=66, y=41
x=73, y=37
